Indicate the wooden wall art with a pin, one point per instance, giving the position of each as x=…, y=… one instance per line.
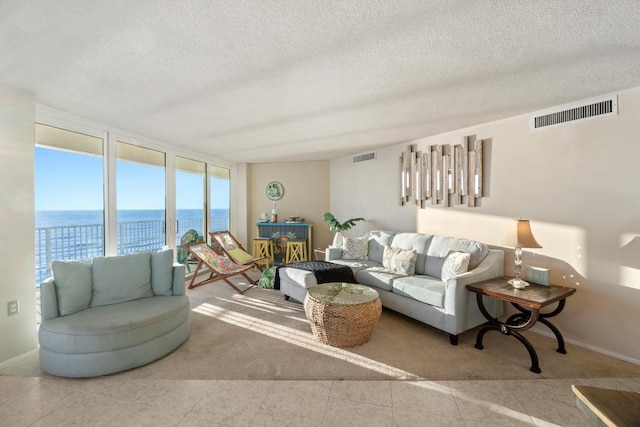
x=443, y=175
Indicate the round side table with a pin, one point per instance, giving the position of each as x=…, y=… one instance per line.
x=342, y=314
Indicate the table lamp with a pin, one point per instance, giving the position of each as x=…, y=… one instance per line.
x=519, y=236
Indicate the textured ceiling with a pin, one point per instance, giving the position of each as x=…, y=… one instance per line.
x=277, y=80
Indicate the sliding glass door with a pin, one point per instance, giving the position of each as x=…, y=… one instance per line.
x=100, y=193
x=140, y=198
x=190, y=197
x=69, y=197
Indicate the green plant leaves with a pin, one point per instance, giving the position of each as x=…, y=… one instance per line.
x=335, y=225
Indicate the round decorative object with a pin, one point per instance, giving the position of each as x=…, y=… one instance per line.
x=275, y=190
x=342, y=314
x=281, y=242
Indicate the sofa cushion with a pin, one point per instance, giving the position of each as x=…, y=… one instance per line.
x=303, y=278
x=441, y=246
x=116, y=326
x=377, y=241
x=421, y=288
x=355, y=247
x=73, y=285
x=455, y=263
x=433, y=266
x=377, y=277
x=400, y=260
x=356, y=264
x=416, y=241
x=119, y=279
x=162, y=272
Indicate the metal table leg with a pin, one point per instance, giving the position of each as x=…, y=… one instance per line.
x=542, y=317
x=525, y=323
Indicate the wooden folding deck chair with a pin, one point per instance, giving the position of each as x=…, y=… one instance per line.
x=232, y=248
x=221, y=267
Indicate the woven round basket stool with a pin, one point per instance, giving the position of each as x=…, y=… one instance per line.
x=342, y=314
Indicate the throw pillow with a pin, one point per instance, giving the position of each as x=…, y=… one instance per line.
x=121, y=278
x=355, y=247
x=267, y=278
x=73, y=285
x=401, y=261
x=240, y=256
x=455, y=264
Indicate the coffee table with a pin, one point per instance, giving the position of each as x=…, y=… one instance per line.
x=342, y=314
x=608, y=407
x=528, y=302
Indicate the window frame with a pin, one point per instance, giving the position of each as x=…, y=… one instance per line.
x=51, y=117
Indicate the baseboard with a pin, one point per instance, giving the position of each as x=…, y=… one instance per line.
x=545, y=332
x=18, y=359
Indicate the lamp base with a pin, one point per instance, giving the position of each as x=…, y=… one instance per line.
x=518, y=283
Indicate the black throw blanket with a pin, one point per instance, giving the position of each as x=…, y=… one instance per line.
x=324, y=271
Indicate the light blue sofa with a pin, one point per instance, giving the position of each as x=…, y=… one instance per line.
x=424, y=296
x=110, y=314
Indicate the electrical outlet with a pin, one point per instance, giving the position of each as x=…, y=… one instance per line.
x=13, y=307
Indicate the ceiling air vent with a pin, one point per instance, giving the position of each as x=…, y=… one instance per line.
x=364, y=157
x=572, y=113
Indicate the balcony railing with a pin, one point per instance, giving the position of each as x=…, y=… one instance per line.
x=87, y=241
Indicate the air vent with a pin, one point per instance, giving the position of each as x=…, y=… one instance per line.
x=364, y=157
x=572, y=113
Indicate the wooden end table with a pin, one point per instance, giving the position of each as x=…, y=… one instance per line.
x=608, y=407
x=528, y=302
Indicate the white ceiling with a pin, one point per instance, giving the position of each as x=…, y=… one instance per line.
x=278, y=80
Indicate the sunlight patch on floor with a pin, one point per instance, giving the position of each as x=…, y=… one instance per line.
x=299, y=338
x=495, y=408
x=259, y=304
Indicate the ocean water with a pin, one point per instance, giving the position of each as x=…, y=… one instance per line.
x=65, y=235
x=70, y=218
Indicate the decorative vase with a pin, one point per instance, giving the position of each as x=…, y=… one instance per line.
x=337, y=240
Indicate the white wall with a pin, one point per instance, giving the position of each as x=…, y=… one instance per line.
x=370, y=190
x=577, y=183
x=306, y=194
x=17, y=253
x=240, y=203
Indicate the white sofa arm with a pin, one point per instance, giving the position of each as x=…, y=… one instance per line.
x=177, y=287
x=48, y=300
x=457, y=298
x=491, y=266
x=332, y=253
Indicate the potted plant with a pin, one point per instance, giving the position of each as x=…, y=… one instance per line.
x=339, y=227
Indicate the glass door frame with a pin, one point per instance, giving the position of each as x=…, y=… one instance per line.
x=205, y=202
x=170, y=216
x=51, y=117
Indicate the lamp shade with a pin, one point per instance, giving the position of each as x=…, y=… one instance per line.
x=520, y=235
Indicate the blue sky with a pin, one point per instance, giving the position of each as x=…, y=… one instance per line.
x=70, y=181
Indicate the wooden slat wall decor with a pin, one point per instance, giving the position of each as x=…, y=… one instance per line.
x=447, y=175
x=426, y=178
x=471, y=199
x=405, y=175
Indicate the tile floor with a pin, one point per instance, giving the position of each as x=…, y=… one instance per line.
x=104, y=401
x=112, y=401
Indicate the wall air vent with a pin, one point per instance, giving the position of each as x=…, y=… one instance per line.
x=364, y=157
x=572, y=113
